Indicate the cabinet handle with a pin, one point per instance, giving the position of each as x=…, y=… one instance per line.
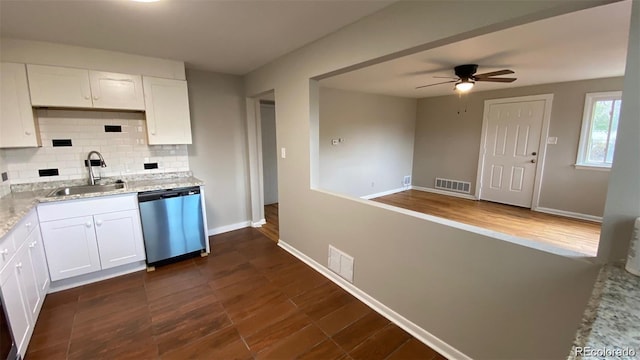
x=28, y=225
x=88, y=224
x=19, y=265
x=32, y=245
x=87, y=97
x=98, y=222
x=4, y=252
x=96, y=97
x=27, y=133
x=153, y=133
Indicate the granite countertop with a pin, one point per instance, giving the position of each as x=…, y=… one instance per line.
x=25, y=197
x=610, y=327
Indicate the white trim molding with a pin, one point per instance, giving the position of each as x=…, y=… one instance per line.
x=259, y=223
x=419, y=333
x=542, y=147
x=444, y=192
x=383, y=193
x=227, y=228
x=569, y=214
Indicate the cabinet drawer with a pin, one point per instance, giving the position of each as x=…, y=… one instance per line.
x=85, y=207
x=22, y=230
x=7, y=249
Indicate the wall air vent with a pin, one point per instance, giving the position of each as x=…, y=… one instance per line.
x=453, y=185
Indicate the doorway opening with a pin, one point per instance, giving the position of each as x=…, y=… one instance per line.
x=269, y=149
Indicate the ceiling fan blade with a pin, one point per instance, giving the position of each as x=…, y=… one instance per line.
x=502, y=80
x=446, y=82
x=494, y=73
x=447, y=77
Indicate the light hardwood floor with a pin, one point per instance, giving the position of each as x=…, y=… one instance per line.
x=271, y=228
x=577, y=235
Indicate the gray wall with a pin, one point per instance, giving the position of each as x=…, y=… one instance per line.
x=447, y=143
x=486, y=297
x=269, y=153
x=218, y=155
x=378, y=141
x=623, y=196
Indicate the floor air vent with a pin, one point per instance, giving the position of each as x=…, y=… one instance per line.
x=453, y=185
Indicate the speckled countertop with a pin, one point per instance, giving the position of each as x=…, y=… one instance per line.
x=610, y=326
x=24, y=197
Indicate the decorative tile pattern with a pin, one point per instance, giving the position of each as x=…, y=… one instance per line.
x=125, y=152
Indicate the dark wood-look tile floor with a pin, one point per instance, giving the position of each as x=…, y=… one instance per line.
x=271, y=229
x=248, y=300
x=572, y=234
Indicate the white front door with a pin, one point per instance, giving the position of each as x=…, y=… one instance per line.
x=511, y=139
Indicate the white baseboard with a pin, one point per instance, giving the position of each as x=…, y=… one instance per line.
x=569, y=214
x=419, y=333
x=383, y=193
x=227, y=228
x=259, y=223
x=444, y=192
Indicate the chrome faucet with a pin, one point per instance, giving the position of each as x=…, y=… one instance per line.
x=92, y=178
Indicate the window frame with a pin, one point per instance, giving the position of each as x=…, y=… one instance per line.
x=585, y=132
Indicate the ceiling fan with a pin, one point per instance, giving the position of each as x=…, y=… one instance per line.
x=466, y=77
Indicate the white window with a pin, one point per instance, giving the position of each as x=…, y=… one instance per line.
x=599, y=129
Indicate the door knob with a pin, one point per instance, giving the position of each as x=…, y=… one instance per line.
x=534, y=153
x=533, y=161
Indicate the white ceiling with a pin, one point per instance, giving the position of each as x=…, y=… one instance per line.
x=587, y=44
x=232, y=37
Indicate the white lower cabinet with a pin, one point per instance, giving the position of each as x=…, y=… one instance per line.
x=119, y=237
x=24, y=280
x=84, y=236
x=71, y=247
x=17, y=306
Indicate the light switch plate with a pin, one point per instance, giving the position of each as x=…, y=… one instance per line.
x=552, y=140
x=283, y=153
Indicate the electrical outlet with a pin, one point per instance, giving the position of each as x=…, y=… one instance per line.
x=406, y=181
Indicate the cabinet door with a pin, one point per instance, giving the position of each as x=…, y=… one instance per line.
x=59, y=86
x=71, y=247
x=27, y=279
x=38, y=261
x=119, y=237
x=116, y=91
x=15, y=306
x=17, y=123
x=167, y=110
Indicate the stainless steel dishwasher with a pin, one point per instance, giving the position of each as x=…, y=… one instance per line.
x=172, y=224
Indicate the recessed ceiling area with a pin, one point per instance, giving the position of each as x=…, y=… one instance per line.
x=587, y=44
x=232, y=37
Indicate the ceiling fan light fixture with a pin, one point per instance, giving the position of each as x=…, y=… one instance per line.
x=464, y=86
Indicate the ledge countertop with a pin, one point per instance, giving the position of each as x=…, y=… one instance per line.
x=17, y=204
x=611, y=321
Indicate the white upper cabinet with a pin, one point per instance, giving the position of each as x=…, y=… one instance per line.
x=167, y=110
x=59, y=86
x=17, y=123
x=116, y=91
x=79, y=88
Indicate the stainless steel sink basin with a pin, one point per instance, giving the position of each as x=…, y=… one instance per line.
x=85, y=189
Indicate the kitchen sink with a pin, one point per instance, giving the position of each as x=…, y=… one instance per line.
x=86, y=189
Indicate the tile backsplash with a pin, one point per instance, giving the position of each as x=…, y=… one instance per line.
x=77, y=132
